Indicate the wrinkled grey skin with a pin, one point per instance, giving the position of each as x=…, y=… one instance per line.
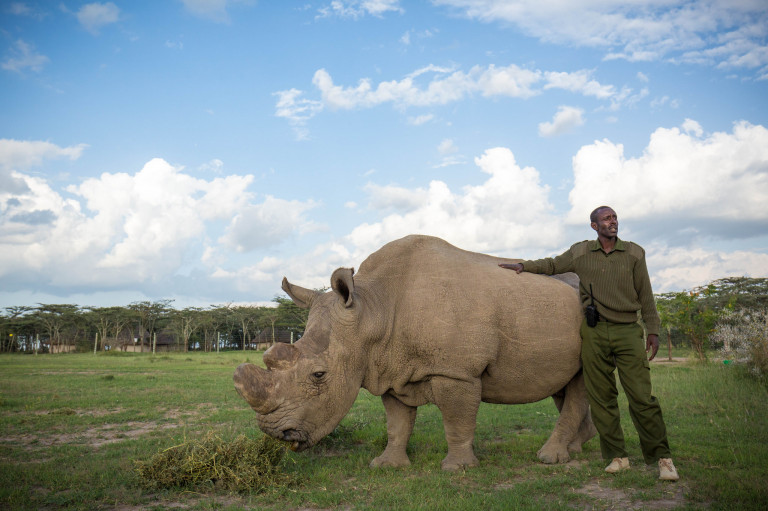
x=425, y=322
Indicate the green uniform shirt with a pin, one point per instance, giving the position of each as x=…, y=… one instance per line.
x=620, y=281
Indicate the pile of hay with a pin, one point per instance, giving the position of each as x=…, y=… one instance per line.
x=239, y=465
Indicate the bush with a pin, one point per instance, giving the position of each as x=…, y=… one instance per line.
x=744, y=336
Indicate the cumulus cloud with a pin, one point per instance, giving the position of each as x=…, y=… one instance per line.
x=96, y=15
x=20, y=155
x=712, y=32
x=23, y=56
x=123, y=230
x=566, y=119
x=689, y=183
x=676, y=268
x=507, y=212
x=269, y=223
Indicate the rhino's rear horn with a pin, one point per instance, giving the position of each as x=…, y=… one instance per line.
x=255, y=385
x=281, y=356
x=301, y=296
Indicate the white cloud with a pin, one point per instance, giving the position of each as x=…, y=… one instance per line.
x=420, y=119
x=23, y=56
x=20, y=155
x=95, y=16
x=356, y=9
x=447, y=147
x=213, y=10
x=685, y=183
x=566, y=119
x=508, y=212
x=297, y=110
x=270, y=223
x=712, y=32
x=674, y=269
x=130, y=231
x=445, y=86
x=24, y=154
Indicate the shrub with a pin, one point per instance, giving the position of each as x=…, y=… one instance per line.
x=744, y=336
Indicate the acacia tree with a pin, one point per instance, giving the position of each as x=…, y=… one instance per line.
x=55, y=318
x=150, y=316
x=247, y=319
x=185, y=323
x=17, y=327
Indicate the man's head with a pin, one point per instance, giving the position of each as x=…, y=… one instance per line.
x=605, y=222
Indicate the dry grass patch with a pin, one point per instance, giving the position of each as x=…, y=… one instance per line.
x=239, y=465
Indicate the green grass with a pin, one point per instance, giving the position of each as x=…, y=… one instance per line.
x=72, y=426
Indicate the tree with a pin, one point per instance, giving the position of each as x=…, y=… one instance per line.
x=185, y=322
x=55, y=318
x=150, y=317
x=247, y=318
x=695, y=318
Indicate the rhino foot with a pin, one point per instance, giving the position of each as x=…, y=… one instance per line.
x=455, y=463
x=554, y=453
x=574, y=447
x=390, y=460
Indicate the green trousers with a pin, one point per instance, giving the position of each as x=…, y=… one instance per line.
x=605, y=348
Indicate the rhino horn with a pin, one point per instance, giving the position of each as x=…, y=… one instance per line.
x=255, y=385
x=302, y=297
x=344, y=285
x=281, y=356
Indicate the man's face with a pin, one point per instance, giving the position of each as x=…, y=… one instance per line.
x=607, y=225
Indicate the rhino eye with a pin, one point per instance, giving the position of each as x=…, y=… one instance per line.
x=318, y=375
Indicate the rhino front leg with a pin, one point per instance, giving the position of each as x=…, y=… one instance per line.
x=458, y=401
x=400, y=421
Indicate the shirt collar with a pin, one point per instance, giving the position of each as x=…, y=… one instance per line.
x=620, y=245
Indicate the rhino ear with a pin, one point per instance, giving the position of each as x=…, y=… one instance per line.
x=344, y=285
x=302, y=297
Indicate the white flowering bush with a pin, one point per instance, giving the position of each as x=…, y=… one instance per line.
x=744, y=338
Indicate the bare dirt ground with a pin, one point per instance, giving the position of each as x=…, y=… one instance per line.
x=615, y=498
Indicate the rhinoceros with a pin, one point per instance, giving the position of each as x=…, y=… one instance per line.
x=425, y=322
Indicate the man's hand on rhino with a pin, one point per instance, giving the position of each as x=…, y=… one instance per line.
x=516, y=266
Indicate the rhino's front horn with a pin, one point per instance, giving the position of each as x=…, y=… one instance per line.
x=255, y=385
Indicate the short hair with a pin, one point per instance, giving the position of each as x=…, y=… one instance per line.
x=593, y=215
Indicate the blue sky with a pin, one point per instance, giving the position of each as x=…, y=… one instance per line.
x=201, y=150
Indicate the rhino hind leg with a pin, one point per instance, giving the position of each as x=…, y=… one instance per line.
x=574, y=426
x=400, y=421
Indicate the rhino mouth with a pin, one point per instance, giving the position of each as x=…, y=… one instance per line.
x=295, y=439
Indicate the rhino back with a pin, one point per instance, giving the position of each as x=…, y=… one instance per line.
x=456, y=314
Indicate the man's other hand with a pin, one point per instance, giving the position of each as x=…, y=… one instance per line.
x=516, y=266
x=652, y=345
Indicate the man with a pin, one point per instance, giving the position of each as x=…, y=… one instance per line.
x=613, y=275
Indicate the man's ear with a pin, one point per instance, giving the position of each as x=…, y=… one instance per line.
x=594, y=225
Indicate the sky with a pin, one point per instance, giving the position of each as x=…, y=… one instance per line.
x=200, y=150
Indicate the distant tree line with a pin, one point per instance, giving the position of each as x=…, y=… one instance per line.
x=149, y=326
x=699, y=317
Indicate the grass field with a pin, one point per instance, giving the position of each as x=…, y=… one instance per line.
x=72, y=426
